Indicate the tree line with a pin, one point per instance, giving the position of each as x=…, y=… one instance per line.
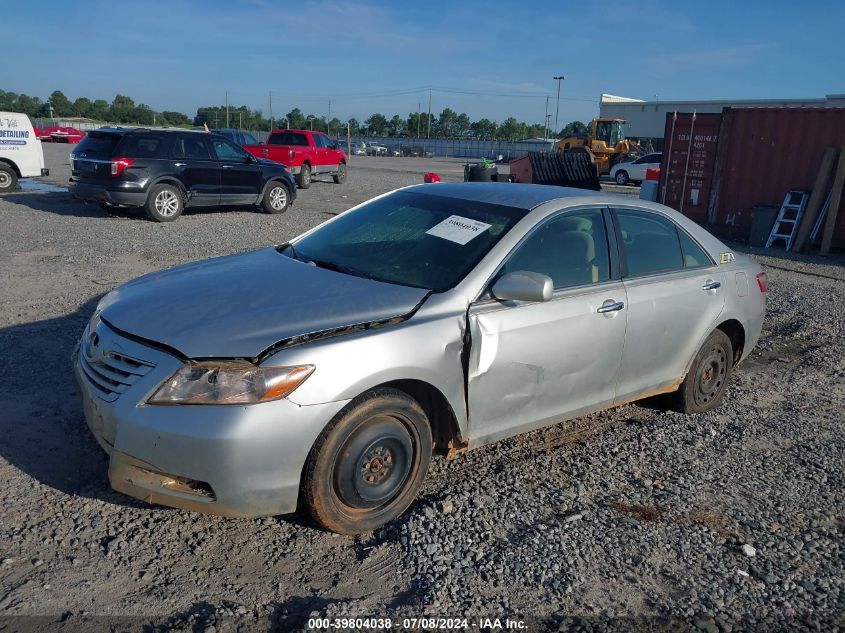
x=122, y=109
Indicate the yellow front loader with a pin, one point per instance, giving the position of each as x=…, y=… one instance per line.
x=606, y=143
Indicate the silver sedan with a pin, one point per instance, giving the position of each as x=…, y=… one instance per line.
x=324, y=372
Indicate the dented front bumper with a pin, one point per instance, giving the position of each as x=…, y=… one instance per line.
x=230, y=460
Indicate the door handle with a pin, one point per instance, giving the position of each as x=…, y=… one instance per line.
x=711, y=285
x=610, y=306
x=179, y=164
x=227, y=167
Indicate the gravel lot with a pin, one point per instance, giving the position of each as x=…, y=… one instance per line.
x=626, y=520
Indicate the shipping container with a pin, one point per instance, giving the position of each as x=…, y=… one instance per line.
x=765, y=152
x=689, y=156
x=717, y=167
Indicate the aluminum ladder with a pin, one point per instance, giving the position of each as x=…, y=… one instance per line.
x=789, y=217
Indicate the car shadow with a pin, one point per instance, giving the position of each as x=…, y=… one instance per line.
x=57, y=203
x=42, y=428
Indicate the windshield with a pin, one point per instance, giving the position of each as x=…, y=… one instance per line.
x=412, y=239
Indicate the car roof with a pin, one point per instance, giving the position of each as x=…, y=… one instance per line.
x=517, y=195
x=132, y=130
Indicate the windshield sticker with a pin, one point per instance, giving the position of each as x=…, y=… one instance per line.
x=457, y=229
x=726, y=258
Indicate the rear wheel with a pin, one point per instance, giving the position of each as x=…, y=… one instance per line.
x=8, y=179
x=705, y=384
x=303, y=178
x=621, y=177
x=340, y=176
x=368, y=464
x=276, y=198
x=164, y=204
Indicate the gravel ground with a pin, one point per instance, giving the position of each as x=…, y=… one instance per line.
x=632, y=519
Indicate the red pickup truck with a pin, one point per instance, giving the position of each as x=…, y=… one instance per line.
x=305, y=153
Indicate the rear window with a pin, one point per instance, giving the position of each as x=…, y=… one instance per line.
x=98, y=144
x=287, y=138
x=140, y=146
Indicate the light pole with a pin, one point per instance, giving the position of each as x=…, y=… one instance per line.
x=558, y=78
x=310, y=119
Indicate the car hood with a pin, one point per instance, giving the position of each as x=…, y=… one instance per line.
x=240, y=305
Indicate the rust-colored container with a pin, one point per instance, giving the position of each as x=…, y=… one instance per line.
x=689, y=155
x=764, y=152
x=717, y=168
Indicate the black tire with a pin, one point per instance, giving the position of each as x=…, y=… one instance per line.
x=340, y=176
x=621, y=177
x=164, y=203
x=367, y=466
x=8, y=179
x=707, y=380
x=276, y=198
x=303, y=178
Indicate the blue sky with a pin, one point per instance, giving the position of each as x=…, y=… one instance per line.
x=489, y=59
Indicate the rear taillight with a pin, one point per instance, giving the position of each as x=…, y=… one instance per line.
x=119, y=165
x=762, y=282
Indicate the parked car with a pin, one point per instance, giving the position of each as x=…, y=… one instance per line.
x=42, y=134
x=415, y=150
x=374, y=149
x=237, y=136
x=306, y=154
x=324, y=370
x=634, y=171
x=165, y=171
x=359, y=148
x=21, y=155
x=393, y=150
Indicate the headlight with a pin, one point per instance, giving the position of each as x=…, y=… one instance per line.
x=229, y=383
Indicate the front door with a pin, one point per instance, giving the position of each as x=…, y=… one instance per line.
x=675, y=295
x=240, y=173
x=197, y=169
x=533, y=364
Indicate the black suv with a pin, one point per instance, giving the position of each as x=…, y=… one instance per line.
x=165, y=171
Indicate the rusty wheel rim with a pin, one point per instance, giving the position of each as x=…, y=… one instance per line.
x=711, y=375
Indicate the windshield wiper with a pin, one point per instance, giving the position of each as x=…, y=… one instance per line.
x=340, y=269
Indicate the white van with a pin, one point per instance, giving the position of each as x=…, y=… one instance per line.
x=21, y=155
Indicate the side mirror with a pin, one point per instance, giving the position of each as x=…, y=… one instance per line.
x=334, y=145
x=250, y=159
x=523, y=285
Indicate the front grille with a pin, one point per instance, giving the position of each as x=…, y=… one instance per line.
x=111, y=373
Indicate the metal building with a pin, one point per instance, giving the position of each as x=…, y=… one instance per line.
x=647, y=119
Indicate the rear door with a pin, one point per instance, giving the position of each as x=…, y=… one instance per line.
x=198, y=170
x=532, y=364
x=675, y=296
x=322, y=151
x=91, y=159
x=240, y=173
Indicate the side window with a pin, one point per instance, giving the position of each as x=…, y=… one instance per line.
x=571, y=249
x=141, y=146
x=225, y=150
x=694, y=255
x=191, y=147
x=650, y=243
x=322, y=141
x=249, y=139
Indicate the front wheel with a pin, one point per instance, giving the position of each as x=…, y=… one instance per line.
x=707, y=380
x=621, y=177
x=368, y=464
x=164, y=204
x=8, y=179
x=340, y=176
x=276, y=198
x=303, y=178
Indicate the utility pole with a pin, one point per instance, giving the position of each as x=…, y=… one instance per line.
x=271, y=110
x=558, y=78
x=239, y=119
x=227, y=108
x=428, y=134
x=329, y=119
x=546, y=121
